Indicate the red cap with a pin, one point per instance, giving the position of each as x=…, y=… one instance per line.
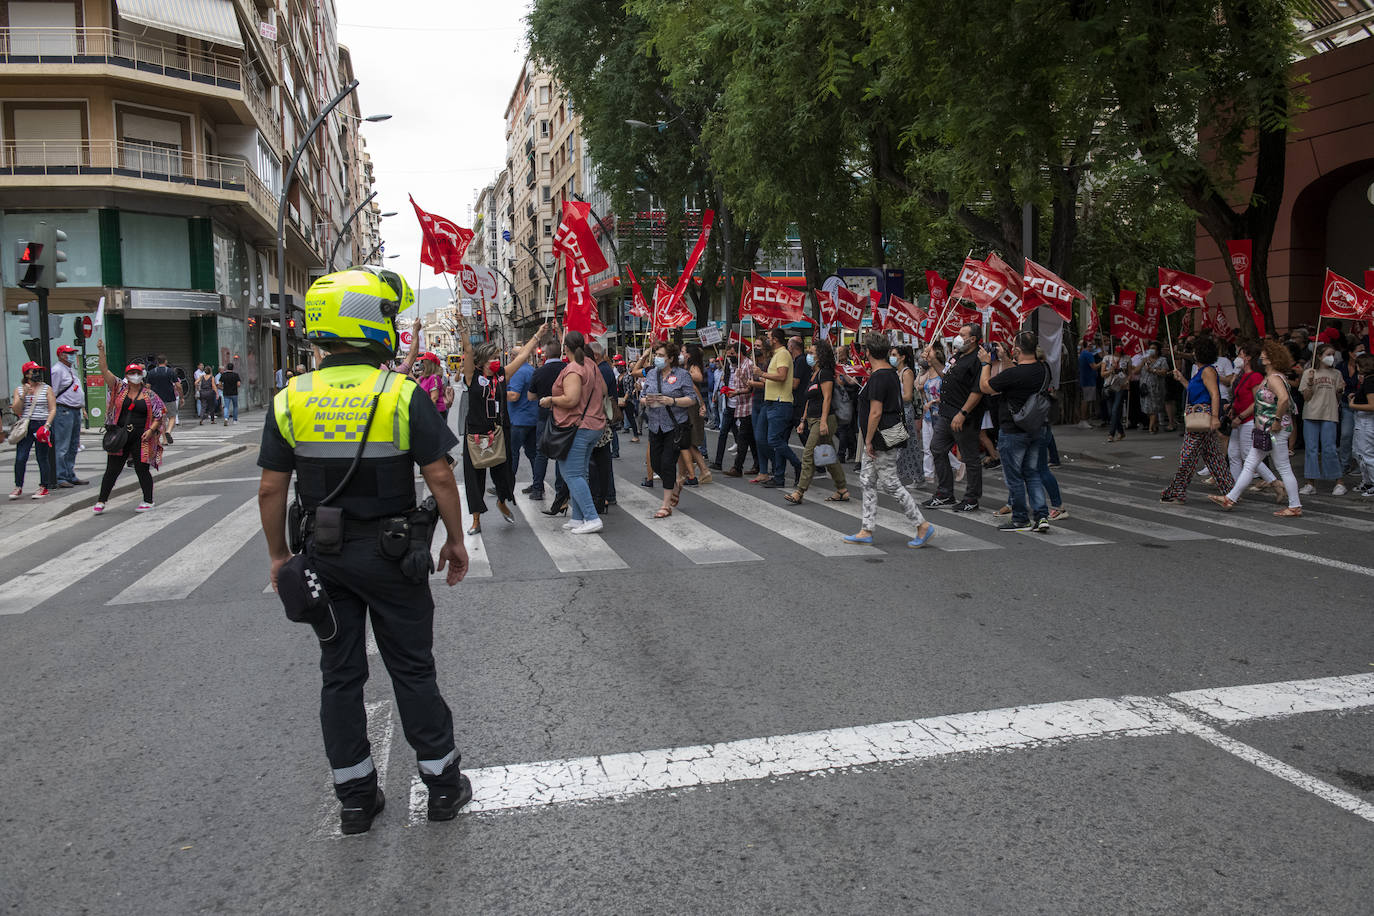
x=43, y=435
x=66, y=348
x=133, y=367
x=432, y=357
x=29, y=366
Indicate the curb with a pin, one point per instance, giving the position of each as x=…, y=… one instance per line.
x=227, y=451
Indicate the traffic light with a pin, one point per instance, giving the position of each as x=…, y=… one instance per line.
x=38, y=259
x=54, y=327
x=291, y=324
x=28, y=327
x=252, y=322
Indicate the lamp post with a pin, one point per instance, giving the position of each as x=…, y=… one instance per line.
x=284, y=350
x=348, y=225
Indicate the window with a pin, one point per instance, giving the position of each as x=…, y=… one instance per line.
x=150, y=144
x=543, y=95
x=543, y=162
x=546, y=193
x=544, y=128
x=572, y=149
x=548, y=229
x=572, y=187
x=42, y=29
x=46, y=136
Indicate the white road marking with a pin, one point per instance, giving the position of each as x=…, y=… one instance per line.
x=697, y=542
x=35, y=535
x=1305, y=557
x=1217, y=517
x=419, y=802
x=570, y=552
x=1285, y=698
x=615, y=776
x=479, y=563
x=26, y=591
x=381, y=727
x=1058, y=537
x=946, y=538
x=187, y=569
x=1272, y=765
x=191, y=481
x=781, y=521
x=1137, y=526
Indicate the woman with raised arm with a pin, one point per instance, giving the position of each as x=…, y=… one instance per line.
x=136, y=413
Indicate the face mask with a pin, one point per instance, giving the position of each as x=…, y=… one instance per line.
x=134, y=378
x=1154, y=353
x=892, y=361
x=1329, y=359
x=811, y=359
x=923, y=363
x=660, y=362
x=682, y=359
x=956, y=344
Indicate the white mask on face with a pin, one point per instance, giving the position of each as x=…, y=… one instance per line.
x=134, y=378
x=956, y=344
x=1154, y=353
x=1329, y=359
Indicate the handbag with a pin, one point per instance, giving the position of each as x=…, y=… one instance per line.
x=824, y=455
x=1033, y=415
x=894, y=435
x=487, y=450
x=1261, y=440
x=556, y=441
x=1199, y=421
x=21, y=425
x=116, y=438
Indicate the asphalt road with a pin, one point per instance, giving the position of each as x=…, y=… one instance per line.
x=163, y=752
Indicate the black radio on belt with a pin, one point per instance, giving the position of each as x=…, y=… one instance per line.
x=406, y=539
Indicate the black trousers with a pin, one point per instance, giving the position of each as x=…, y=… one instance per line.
x=475, y=479
x=600, y=477
x=941, y=441
x=744, y=438
x=362, y=584
x=663, y=455
x=114, y=465
x=847, y=440
x=729, y=423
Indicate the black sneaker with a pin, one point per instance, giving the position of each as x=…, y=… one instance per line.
x=358, y=819
x=528, y=490
x=968, y=505
x=1016, y=526
x=444, y=805
x=937, y=502
x=535, y=496
x=1042, y=526
x=772, y=484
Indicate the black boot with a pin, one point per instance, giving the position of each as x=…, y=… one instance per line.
x=444, y=805
x=356, y=816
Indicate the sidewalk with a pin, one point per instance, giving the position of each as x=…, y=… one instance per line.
x=194, y=446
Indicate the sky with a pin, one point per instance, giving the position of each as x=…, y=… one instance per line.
x=444, y=71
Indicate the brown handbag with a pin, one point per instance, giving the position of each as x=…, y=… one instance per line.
x=487, y=450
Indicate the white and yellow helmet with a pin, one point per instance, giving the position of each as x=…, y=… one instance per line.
x=358, y=305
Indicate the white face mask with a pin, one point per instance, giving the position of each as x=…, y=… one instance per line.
x=660, y=362
x=892, y=361
x=956, y=344
x=1154, y=353
x=1329, y=360
x=134, y=378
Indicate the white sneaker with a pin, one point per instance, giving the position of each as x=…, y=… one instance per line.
x=1340, y=490
x=143, y=507
x=1084, y=424
x=1204, y=472
x=591, y=527
x=1307, y=490
x=570, y=525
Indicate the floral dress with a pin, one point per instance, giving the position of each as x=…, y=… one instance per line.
x=1152, y=387
x=910, y=470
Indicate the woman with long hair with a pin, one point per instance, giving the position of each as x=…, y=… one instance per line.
x=696, y=468
x=1202, y=443
x=135, y=408
x=34, y=405
x=910, y=466
x=1272, y=427
x=579, y=399
x=818, y=424
x=1322, y=386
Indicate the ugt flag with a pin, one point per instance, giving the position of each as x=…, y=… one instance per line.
x=444, y=243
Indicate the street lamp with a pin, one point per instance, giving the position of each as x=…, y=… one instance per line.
x=348, y=223
x=290, y=176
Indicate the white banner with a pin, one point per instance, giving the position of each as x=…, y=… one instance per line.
x=466, y=307
x=632, y=354
x=709, y=335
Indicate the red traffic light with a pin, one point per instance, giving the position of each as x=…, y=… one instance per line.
x=291, y=324
x=30, y=270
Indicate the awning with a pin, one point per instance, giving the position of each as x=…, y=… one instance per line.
x=208, y=20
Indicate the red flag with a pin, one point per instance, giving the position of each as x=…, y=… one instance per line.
x=1240, y=251
x=1154, y=309
x=1220, y=325
x=574, y=239
x=669, y=310
x=1044, y=288
x=826, y=302
x=771, y=304
x=904, y=316
x=849, y=309
x=976, y=284
x=1341, y=298
x=707, y=217
x=640, y=308
x=1094, y=321
x=444, y=241
x=1128, y=326
x=1129, y=300
x=879, y=315
x=582, y=310
x=939, y=291
x=1178, y=290
x=1369, y=325
x=1011, y=303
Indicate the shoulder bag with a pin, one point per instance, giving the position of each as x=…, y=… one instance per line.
x=21, y=425
x=895, y=434
x=556, y=441
x=1033, y=415
x=488, y=450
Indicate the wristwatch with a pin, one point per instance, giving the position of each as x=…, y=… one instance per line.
x=963, y=413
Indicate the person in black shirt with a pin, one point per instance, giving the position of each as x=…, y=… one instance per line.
x=961, y=414
x=165, y=384
x=1020, y=448
x=801, y=384
x=880, y=408
x=229, y=382
x=541, y=386
x=818, y=423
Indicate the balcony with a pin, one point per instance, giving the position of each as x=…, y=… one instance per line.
x=59, y=52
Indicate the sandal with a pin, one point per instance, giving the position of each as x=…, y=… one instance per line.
x=1290, y=512
x=839, y=496
x=795, y=497
x=1223, y=501
x=676, y=498
x=1005, y=510
x=663, y=512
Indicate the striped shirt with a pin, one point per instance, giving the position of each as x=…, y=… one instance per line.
x=39, y=402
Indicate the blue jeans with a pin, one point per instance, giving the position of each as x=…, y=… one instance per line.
x=1345, y=445
x=1117, y=399
x=1021, y=464
x=779, y=431
x=231, y=407
x=1047, y=478
x=66, y=436
x=1319, y=450
x=761, y=437
x=522, y=439
x=574, y=470
x=21, y=458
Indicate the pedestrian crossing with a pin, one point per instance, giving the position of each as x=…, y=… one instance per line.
x=720, y=524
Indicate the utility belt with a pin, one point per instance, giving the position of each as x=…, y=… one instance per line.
x=405, y=538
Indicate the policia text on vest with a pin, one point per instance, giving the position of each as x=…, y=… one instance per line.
x=314, y=431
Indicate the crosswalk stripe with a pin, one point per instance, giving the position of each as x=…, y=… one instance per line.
x=187, y=569
x=34, y=535
x=1244, y=523
x=28, y=590
x=694, y=540
x=1137, y=526
x=946, y=538
x=812, y=535
x=1058, y=536
x=570, y=552
x=479, y=562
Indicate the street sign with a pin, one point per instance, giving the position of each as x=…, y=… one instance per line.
x=268, y=30
x=87, y=326
x=95, y=387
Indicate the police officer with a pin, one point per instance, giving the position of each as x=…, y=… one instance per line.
x=352, y=431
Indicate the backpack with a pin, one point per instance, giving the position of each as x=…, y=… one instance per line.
x=1035, y=413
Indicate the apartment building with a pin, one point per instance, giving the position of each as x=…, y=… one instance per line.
x=154, y=133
